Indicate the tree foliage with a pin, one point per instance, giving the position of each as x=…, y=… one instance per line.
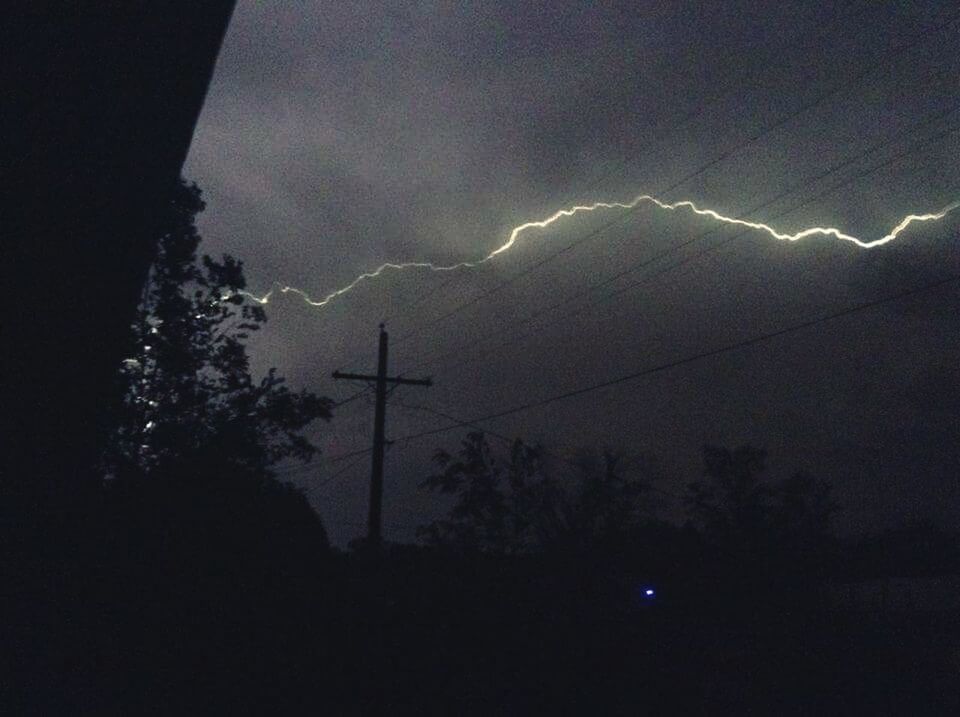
x=187, y=398
x=736, y=506
x=521, y=503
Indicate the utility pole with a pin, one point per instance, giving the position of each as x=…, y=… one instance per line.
x=379, y=425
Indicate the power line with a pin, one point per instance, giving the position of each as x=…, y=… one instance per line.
x=929, y=119
x=351, y=454
x=949, y=130
x=456, y=421
x=803, y=39
x=752, y=138
x=334, y=476
x=328, y=461
x=353, y=397
x=670, y=250
x=693, y=358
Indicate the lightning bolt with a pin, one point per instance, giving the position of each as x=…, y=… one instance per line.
x=684, y=205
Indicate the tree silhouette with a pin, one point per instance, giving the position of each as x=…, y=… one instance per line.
x=186, y=395
x=488, y=513
x=762, y=526
x=605, y=498
x=733, y=504
x=520, y=504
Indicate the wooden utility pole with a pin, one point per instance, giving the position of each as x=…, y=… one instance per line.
x=379, y=425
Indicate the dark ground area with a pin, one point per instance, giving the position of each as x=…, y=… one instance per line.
x=204, y=618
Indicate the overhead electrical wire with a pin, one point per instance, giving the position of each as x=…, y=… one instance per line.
x=737, y=345
x=647, y=261
x=803, y=39
x=755, y=136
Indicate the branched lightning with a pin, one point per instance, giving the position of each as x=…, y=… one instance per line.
x=686, y=205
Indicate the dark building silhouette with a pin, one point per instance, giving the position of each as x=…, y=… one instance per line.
x=100, y=100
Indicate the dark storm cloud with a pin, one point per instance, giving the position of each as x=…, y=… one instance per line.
x=340, y=135
x=422, y=127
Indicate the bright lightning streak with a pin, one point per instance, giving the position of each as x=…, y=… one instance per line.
x=632, y=204
x=265, y=299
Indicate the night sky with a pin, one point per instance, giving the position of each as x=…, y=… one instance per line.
x=337, y=136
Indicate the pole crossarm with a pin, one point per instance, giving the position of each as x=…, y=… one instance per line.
x=381, y=380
